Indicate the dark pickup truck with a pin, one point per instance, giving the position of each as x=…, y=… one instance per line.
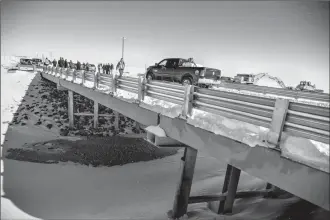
x=175, y=70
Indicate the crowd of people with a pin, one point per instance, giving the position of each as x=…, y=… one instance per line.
x=106, y=68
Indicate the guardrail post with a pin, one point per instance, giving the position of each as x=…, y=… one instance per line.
x=67, y=73
x=83, y=77
x=278, y=120
x=141, y=88
x=183, y=191
x=70, y=109
x=74, y=76
x=96, y=114
x=96, y=80
x=187, y=100
x=114, y=83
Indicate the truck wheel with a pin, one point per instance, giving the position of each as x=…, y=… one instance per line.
x=149, y=76
x=186, y=81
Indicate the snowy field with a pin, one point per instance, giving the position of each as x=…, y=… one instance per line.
x=143, y=190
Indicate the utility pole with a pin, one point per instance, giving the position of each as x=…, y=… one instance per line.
x=122, y=50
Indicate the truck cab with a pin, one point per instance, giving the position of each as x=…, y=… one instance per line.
x=182, y=71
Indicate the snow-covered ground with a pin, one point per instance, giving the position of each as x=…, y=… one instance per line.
x=143, y=190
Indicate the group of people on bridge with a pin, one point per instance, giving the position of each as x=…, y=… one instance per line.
x=102, y=68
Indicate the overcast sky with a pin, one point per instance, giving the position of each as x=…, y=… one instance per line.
x=289, y=40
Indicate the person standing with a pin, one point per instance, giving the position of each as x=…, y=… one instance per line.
x=121, y=66
x=111, y=68
x=54, y=63
x=65, y=64
x=78, y=65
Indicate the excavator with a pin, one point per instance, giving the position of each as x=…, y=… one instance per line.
x=252, y=79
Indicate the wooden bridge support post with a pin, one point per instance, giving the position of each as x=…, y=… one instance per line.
x=232, y=189
x=182, y=195
x=70, y=109
x=225, y=188
x=96, y=114
x=117, y=121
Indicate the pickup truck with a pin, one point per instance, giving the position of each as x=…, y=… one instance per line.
x=172, y=69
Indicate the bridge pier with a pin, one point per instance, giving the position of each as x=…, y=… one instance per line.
x=182, y=195
x=117, y=121
x=70, y=108
x=96, y=114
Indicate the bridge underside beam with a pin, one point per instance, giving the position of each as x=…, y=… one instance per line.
x=267, y=164
x=131, y=110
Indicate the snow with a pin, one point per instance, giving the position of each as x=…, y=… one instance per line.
x=312, y=153
x=125, y=95
x=272, y=96
x=249, y=134
x=156, y=130
x=163, y=107
x=133, y=191
x=89, y=84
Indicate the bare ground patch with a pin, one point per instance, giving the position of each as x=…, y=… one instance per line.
x=106, y=151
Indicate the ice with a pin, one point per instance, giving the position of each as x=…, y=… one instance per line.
x=312, y=153
x=156, y=130
x=249, y=134
x=165, y=108
x=89, y=84
x=125, y=95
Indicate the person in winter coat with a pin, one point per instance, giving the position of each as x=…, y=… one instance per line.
x=121, y=66
x=87, y=67
x=65, y=63
x=78, y=65
x=54, y=63
x=70, y=64
x=111, y=68
x=103, y=69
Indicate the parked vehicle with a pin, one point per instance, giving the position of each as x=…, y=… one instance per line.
x=25, y=64
x=226, y=79
x=25, y=61
x=92, y=67
x=176, y=70
x=244, y=78
x=37, y=62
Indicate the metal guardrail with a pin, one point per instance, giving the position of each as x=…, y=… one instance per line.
x=323, y=97
x=297, y=119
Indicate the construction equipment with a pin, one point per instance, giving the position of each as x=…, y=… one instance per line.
x=307, y=86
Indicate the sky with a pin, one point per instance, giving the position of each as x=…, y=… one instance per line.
x=287, y=39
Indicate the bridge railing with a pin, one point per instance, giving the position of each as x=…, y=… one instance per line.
x=323, y=97
x=297, y=119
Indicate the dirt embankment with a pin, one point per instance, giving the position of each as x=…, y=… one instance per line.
x=45, y=107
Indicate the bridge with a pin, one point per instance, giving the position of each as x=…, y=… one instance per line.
x=183, y=113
